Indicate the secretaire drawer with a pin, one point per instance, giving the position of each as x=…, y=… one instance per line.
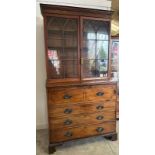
x=84, y=131
x=66, y=95
x=99, y=93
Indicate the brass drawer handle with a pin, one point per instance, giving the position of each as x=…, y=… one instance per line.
x=68, y=134
x=68, y=111
x=67, y=96
x=67, y=122
x=99, y=94
x=99, y=117
x=99, y=107
x=99, y=129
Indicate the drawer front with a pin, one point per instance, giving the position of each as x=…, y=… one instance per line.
x=68, y=134
x=99, y=117
x=78, y=120
x=67, y=95
x=66, y=111
x=72, y=109
x=99, y=106
x=99, y=93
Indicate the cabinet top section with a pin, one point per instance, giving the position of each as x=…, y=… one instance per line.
x=76, y=11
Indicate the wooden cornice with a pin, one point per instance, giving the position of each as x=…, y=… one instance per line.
x=56, y=9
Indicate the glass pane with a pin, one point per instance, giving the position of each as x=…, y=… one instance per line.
x=89, y=49
x=102, y=50
x=95, y=68
x=102, y=36
x=69, y=68
x=62, y=47
x=95, y=48
x=67, y=53
x=63, y=69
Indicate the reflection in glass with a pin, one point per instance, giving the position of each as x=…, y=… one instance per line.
x=89, y=50
x=62, y=44
x=102, y=50
x=102, y=36
x=91, y=36
x=95, y=48
x=95, y=68
x=53, y=57
x=63, y=69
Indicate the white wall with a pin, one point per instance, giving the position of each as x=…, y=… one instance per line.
x=41, y=110
x=100, y=4
x=41, y=106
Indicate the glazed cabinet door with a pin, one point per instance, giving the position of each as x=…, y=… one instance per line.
x=62, y=39
x=95, y=48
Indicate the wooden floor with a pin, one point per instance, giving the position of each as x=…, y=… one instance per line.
x=88, y=146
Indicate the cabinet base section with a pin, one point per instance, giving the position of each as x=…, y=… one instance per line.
x=52, y=146
x=112, y=137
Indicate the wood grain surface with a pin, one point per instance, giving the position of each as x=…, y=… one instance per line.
x=84, y=131
x=80, y=120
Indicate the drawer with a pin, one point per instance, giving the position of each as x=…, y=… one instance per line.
x=99, y=106
x=83, y=119
x=100, y=93
x=99, y=117
x=85, y=131
x=73, y=109
x=65, y=111
x=66, y=95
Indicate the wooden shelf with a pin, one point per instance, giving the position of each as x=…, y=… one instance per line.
x=94, y=40
x=59, y=30
x=64, y=60
x=62, y=47
x=56, y=38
